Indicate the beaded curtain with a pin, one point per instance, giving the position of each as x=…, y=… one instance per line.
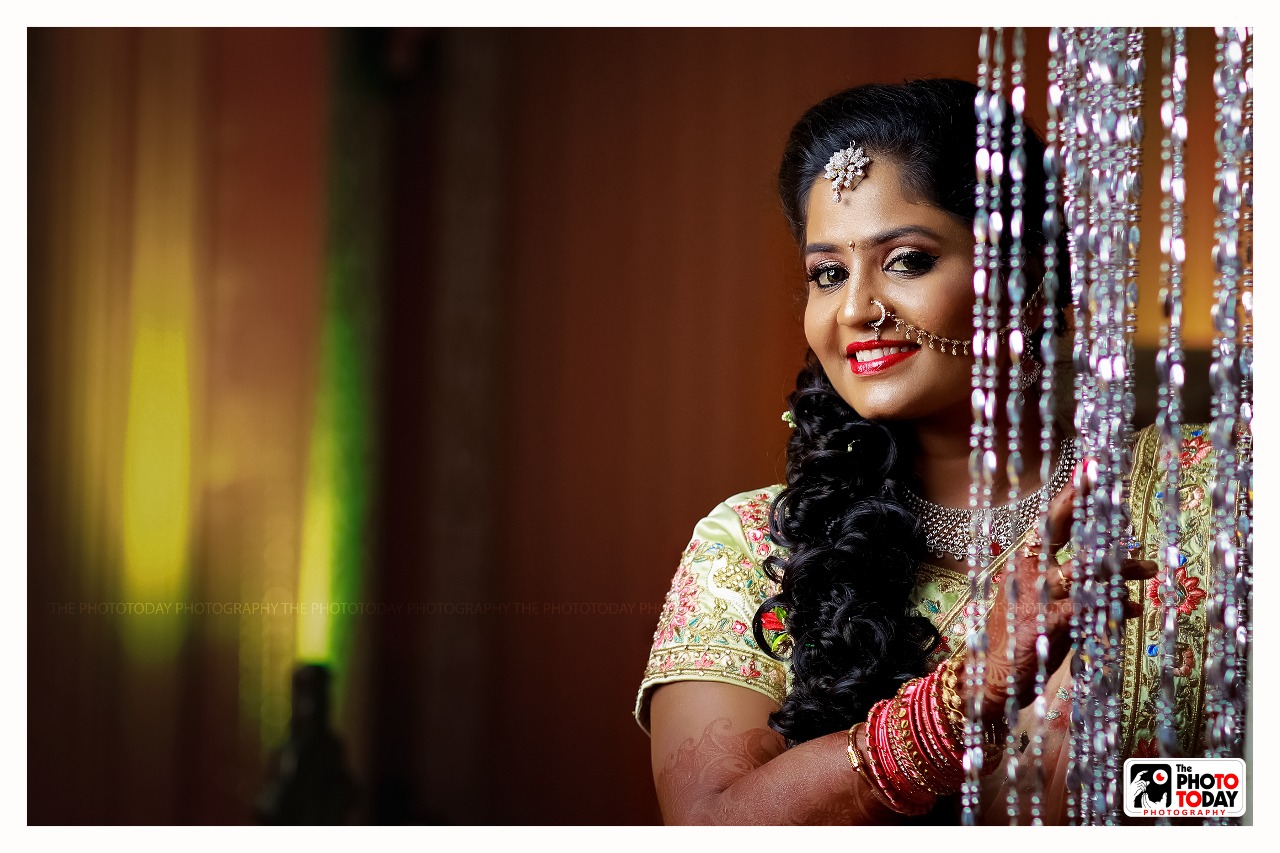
x=1095, y=134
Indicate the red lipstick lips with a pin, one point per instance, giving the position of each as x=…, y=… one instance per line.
x=884, y=362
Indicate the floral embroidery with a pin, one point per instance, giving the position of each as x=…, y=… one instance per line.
x=1143, y=673
x=1186, y=659
x=754, y=515
x=775, y=630
x=1146, y=748
x=1055, y=713
x=739, y=628
x=739, y=574
x=1195, y=448
x=1186, y=589
x=680, y=604
x=749, y=670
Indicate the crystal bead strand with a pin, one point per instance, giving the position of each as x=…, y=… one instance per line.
x=1244, y=516
x=1222, y=693
x=1014, y=397
x=980, y=480
x=1115, y=71
x=1169, y=362
x=1128, y=134
x=1048, y=356
x=1067, y=69
x=1081, y=154
x=1096, y=67
x=1104, y=73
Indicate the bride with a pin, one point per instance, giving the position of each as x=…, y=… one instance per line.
x=807, y=666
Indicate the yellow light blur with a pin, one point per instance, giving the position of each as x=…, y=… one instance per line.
x=157, y=484
x=157, y=493
x=315, y=580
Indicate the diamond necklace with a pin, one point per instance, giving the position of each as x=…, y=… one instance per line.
x=949, y=531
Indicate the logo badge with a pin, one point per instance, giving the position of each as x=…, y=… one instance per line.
x=1184, y=787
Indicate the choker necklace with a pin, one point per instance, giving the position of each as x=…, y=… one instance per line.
x=950, y=531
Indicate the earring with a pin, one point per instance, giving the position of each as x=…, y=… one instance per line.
x=883, y=314
x=1029, y=375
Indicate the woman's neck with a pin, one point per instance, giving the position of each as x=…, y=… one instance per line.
x=941, y=457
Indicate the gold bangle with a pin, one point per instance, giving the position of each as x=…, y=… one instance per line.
x=950, y=695
x=855, y=759
x=993, y=734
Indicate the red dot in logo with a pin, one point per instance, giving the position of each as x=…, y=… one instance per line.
x=1160, y=776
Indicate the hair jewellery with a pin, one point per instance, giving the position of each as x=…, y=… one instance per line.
x=846, y=168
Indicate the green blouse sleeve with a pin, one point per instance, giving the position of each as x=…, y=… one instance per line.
x=704, y=631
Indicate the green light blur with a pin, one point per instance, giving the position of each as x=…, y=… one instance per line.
x=341, y=461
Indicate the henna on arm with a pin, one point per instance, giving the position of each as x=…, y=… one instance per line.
x=748, y=777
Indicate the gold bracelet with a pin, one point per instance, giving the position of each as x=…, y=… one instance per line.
x=855, y=761
x=950, y=696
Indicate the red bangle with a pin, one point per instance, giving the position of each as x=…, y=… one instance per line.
x=923, y=729
x=949, y=743
x=910, y=755
x=879, y=758
x=891, y=778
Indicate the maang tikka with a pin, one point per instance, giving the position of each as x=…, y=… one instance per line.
x=846, y=168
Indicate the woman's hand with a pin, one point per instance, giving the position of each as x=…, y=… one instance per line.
x=1022, y=569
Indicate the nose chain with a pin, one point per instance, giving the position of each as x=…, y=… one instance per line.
x=915, y=334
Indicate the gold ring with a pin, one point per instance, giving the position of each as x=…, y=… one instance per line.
x=1065, y=582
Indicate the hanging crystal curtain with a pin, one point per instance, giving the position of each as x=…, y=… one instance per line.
x=1230, y=575
x=1094, y=139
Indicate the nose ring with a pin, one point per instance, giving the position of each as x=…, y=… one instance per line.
x=883, y=313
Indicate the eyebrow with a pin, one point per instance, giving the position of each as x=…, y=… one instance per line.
x=878, y=240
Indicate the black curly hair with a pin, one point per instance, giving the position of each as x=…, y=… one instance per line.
x=854, y=547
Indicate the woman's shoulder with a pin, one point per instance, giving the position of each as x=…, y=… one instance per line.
x=731, y=542
x=740, y=521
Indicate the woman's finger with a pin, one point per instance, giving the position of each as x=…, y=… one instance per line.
x=1139, y=570
x=1060, y=511
x=1058, y=581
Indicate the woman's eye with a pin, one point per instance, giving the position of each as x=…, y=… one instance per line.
x=829, y=276
x=912, y=262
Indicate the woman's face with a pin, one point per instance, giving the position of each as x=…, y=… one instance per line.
x=915, y=258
